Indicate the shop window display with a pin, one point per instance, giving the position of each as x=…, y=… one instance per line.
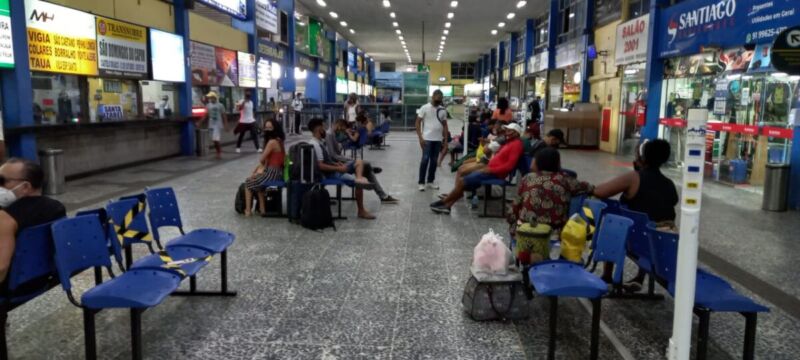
x=632, y=115
x=57, y=98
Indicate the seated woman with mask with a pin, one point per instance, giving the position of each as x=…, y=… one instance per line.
x=269, y=168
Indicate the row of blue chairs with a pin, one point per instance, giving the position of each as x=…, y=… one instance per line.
x=50, y=254
x=656, y=253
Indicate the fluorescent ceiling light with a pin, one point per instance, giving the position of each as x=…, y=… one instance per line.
x=401, y=38
x=392, y=15
x=494, y=32
x=447, y=24
x=334, y=15
x=510, y=16
x=321, y=75
x=321, y=3
x=446, y=32
x=442, y=42
x=398, y=31
x=343, y=23
x=571, y=15
x=403, y=42
x=454, y=4
x=450, y=15
x=395, y=24
x=501, y=25
x=444, y=37
x=352, y=31
x=387, y=4
x=521, y=4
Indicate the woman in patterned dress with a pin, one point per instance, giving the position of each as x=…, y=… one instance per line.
x=270, y=167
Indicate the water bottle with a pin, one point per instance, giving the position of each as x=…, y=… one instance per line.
x=555, y=249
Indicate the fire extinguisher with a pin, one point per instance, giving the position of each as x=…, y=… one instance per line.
x=641, y=112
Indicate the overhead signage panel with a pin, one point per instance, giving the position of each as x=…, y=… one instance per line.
x=235, y=8
x=60, y=39
x=121, y=49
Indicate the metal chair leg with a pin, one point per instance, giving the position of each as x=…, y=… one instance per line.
x=551, y=346
x=98, y=275
x=90, y=340
x=193, y=283
x=486, y=196
x=3, y=344
x=503, y=204
x=136, y=334
x=595, y=342
x=749, y=336
x=702, y=334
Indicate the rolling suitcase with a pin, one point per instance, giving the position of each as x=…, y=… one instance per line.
x=303, y=174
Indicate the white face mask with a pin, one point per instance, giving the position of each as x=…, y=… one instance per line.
x=7, y=197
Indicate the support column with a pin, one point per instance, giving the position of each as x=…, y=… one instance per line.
x=17, y=90
x=185, y=88
x=288, y=83
x=552, y=35
x=588, y=40
x=530, y=33
x=252, y=45
x=794, y=179
x=655, y=72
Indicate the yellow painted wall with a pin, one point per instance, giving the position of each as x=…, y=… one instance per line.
x=152, y=13
x=442, y=68
x=605, y=83
x=211, y=32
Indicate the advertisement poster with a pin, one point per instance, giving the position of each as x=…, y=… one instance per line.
x=690, y=25
x=316, y=37
x=227, y=67
x=247, y=70
x=415, y=88
x=736, y=59
x=121, y=49
x=762, y=60
x=6, y=43
x=235, y=8
x=301, y=35
x=167, y=56
x=60, y=39
x=204, y=64
x=632, y=41
x=267, y=16
x=264, y=74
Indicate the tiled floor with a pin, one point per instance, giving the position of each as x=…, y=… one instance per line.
x=389, y=288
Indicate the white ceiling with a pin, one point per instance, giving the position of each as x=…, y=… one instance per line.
x=469, y=33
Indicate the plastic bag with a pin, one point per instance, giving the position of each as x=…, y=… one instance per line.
x=575, y=234
x=491, y=254
x=479, y=153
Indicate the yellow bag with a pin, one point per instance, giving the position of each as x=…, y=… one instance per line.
x=533, y=240
x=479, y=153
x=575, y=234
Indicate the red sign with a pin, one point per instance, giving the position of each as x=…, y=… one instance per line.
x=605, y=131
x=777, y=132
x=749, y=129
x=733, y=128
x=715, y=126
x=672, y=122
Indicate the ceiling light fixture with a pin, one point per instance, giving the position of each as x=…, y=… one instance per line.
x=352, y=31
x=510, y=16
x=387, y=4
x=401, y=37
x=444, y=37
x=571, y=15
x=494, y=32
x=447, y=24
x=334, y=15
x=446, y=32
x=454, y=4
x=442, y=43
x=403, y=42
x=450, y=15
x=395, y=24
x=521, y=4
x=502, y=24
x=343, y=23
x=392, y=15
x=398, y=31
x=321, y=3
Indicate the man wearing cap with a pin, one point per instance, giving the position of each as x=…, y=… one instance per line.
x=215, y=114
x=553, y=139
x=501, y=164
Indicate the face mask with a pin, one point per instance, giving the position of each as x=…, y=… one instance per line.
x=7, y=197
x=437, y=102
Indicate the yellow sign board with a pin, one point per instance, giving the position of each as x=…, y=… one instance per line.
x=60, y=39
x=121, y=48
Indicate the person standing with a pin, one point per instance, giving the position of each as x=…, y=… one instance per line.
x=297, y=106
x=351, y=108
x=164, y=108
x=431, y=128
x=215, y=115
x=503, y=114
x=247, y=123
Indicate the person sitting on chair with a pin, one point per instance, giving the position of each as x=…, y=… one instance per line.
x=269, y=168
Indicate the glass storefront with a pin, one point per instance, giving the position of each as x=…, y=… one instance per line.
x=633, y=97
x=57, y=98
x=113, y=99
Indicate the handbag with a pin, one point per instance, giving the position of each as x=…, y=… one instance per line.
x=532, y=240
x=576, y=233
x=496, y=297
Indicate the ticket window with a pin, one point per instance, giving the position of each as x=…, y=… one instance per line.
x=57, y=98
x=159, y=98
x=113, y=99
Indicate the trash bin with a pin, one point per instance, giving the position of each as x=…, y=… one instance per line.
x=202, y=137
x=776, y=187
x=53, y=166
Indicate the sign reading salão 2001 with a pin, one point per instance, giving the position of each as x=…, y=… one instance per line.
x=60, y=39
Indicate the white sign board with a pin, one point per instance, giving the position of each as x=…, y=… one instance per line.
x=632, y=41
x=167, y=56
x=6, y=43
x=266, y=16
x=264, y=74
x=247, y=69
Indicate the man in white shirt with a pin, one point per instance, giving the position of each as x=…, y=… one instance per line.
x=297, y=106
x=351, y=108
x=247, y=123
x=431, y=129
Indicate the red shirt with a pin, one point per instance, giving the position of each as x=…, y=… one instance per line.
x=506, y=158
x=505, y=117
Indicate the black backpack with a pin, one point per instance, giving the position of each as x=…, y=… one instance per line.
x=304, y=163
x=316, y=210
x=239, y=204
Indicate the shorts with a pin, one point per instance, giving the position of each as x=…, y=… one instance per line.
x=474, y=180
x=216, y=131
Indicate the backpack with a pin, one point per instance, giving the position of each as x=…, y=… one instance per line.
x=239, y=203
x=304, y=163
x=315, y=213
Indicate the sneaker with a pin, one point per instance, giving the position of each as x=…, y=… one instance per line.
x=421, y=187
x=389, y=200
x=376, y=170
x=238, y=151
x=260, y=150
x=440, y=208
x=433, y=186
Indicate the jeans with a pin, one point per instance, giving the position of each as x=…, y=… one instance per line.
x=430, y=155
x=297, y=122
x=252, y=129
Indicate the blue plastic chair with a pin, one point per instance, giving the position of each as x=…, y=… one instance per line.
x=337, y=181
x=128, y=226
x=598, y=209
x=561, y=278
x=712, y=294
x=363, y=137
x=380, y=133
x=164, y=212
x=640, y=249
x=80, y=244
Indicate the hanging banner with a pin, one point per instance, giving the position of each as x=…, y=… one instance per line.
x=688, y=26
x=60, y=39
x=274, y=52
x=316, y=36
x=247, y=69
x=6, y=41
x=267, y=16
x=235, y=8
x=301, y=43
x=538, y=62
x=204, y=64
x=227, y=67
x=632, y=41
x=264, y=74
x=121, y=49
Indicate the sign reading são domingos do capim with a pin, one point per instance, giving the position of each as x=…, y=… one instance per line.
x=121, y=49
